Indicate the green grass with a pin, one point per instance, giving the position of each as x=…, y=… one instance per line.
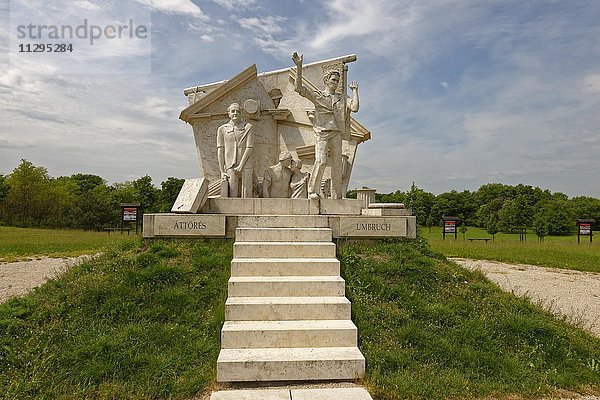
x=137, y=323
x=554, y=251
x=143, y=322
x=20, y=243
x=432, y=330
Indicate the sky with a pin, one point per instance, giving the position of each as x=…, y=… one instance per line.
x=456, y=94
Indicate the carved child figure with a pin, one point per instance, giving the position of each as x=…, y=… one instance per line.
x=234, y=153
x=276, y=181
x=299, y=181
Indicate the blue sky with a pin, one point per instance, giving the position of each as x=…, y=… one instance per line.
x=456, y=93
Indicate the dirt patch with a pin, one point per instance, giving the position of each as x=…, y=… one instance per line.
x=18, y=278
x=568, y=293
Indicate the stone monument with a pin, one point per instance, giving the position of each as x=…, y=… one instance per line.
x=277, y=143
x=286, y=315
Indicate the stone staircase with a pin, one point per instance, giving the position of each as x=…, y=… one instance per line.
x=286, y=315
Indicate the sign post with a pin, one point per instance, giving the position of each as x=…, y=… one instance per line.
x=450, y=226
x=584, y=228
x=130, y=212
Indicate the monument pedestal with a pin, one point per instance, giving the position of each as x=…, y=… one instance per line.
x=219, y=217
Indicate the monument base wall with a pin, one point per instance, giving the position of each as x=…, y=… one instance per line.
x=220, y=217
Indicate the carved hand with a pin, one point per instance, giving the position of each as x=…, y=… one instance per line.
x=224, y=176
x=298, y=59
x=353, y=85
x=237, y=169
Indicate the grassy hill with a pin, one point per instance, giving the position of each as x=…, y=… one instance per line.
x=143, y=322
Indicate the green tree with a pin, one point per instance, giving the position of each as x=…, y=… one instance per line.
x=557, y=215
x=3, y=188
x=3, y=193
x=395, y=197
x=94, y=206
x=540, y=225
x=492, y=226
x=455, y=203
x=489, y=211
x=169, y=190
x=514, y=214
x=86, y=182
x=146, y=194
x=28, y=198
x=430, y=222
x=420, y=202
x=584, y=207
x=492, y=191
x=124, y=192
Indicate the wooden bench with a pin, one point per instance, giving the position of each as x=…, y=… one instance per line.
x=486, y=239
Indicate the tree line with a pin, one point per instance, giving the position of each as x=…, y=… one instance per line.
x=30, y=197
x=499, y=208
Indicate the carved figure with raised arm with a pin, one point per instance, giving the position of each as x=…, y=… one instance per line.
x=331, y=111
x=234, y=153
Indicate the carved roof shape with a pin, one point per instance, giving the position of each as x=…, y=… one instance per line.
x=215, y=95
x=213, y=92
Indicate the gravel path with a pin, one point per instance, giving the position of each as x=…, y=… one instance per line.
x=18, y=278
x=565, y=292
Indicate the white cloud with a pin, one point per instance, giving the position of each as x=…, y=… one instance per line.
x=269, y=24
x=347, y=19
x=233, y=5
x=175, y=6
x=591, y=83
x=85, y=4
x=155, y=106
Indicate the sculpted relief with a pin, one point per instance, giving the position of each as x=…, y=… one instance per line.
x=329, y=121
x=256, y=133
x=234, y=153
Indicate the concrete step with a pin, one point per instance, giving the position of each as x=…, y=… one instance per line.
x=286, y=308
x=352, y=393
x=299, y=393
x=273, y=334
x=285, y=286
x=283, y=250
x=285, y=267
x=283, y=221
x=290, y=364
x=283, y=235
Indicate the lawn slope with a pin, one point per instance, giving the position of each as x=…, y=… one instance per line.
x=136, y=323
x=143, y=322
x=431, y=329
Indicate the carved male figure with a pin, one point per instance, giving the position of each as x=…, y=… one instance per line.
x=234, y=153
x=330, y=114
x=299, y=181
x=276, y=181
